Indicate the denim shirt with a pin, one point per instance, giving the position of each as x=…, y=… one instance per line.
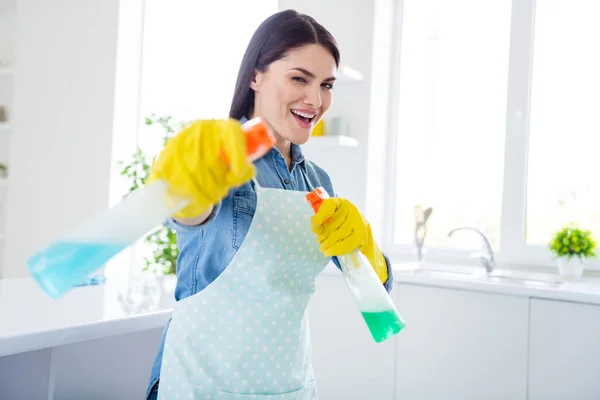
x=206, y=250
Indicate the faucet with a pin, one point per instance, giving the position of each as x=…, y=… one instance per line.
x=421, y=217
x=487, y=257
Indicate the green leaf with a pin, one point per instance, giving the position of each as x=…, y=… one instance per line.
x=163, y=239
x=572, y=241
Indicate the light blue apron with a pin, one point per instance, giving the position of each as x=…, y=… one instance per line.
x=246, y=335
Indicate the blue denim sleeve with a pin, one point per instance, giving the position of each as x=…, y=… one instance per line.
x=390, y=275
x=177, y=227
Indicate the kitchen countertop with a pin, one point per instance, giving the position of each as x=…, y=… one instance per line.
x=584, y=290
x=543, y=285
x=30, y=320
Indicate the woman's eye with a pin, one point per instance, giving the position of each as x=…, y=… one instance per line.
x=328, y=86
x=299, y=79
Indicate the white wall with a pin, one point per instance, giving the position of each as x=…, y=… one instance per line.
x=7, y=31
x=60, y=155
x=7, y=56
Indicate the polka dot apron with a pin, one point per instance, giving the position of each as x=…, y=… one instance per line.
x=246, y=335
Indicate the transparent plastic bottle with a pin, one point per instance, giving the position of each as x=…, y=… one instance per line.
x=374, y=302
x=68, y=261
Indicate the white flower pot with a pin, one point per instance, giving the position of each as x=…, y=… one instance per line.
x=570, y=269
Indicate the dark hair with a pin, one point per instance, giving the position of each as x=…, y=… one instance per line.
x=274, y=39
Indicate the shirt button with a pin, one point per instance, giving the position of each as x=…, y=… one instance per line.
x=286, y=181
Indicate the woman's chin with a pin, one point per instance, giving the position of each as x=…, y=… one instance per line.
x=298, y=136
x=300, y=139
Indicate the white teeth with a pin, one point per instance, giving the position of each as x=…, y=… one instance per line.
x=303, y=114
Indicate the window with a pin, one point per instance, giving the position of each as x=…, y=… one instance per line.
x=563, y=182
x=497, y=124
x=191, y=55
x=451, y=117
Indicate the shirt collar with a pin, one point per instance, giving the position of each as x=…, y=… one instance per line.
x=297, y=156
x=296, y=153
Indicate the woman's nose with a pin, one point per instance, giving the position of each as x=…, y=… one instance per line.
x=313, y=97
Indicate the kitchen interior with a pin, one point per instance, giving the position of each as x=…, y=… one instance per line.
x=455, y=129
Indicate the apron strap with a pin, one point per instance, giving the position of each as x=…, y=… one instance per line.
x=255, y=184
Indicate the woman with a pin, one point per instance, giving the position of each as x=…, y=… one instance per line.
x=250, y=246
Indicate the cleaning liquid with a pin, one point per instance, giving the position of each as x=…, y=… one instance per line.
x=373, y=301
x=66, y=258
x=71, y=259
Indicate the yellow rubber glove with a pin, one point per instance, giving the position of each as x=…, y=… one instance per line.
x=341, y=228
x=193, y=165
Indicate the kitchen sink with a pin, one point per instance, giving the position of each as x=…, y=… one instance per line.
x=525, y=276
x=477, y=273
x=443, y=269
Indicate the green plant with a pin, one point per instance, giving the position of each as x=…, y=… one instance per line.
x=571, y=241
x=163, y=240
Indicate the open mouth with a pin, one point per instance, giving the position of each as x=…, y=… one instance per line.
x=304, y=119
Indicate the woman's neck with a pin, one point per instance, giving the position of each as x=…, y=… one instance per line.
x=285, y=148
x=283, y=145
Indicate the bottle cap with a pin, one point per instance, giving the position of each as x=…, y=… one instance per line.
x=316, y=197
x=259, y=138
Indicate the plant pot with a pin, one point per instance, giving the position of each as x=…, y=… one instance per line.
x=570, y=269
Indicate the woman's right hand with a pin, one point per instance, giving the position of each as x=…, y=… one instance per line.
x=202, y=163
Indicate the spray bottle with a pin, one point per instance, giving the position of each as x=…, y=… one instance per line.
x=374, y=302
x=69, y=260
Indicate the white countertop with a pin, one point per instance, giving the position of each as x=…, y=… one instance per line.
x=30, y=320
x=584, y=290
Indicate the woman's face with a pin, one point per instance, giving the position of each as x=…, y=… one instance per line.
x=294, y=92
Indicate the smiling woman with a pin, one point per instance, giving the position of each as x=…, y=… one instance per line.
x=250, y=254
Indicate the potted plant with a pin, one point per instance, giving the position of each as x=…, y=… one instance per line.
x=162, y=239
x=571, y=246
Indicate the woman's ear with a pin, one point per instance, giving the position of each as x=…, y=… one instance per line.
x=255, y=81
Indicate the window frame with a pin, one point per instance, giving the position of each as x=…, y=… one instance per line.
x=513, y=250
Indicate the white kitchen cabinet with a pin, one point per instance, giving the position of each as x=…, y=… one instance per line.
x=348, y=364
x=461, y=344
x=564, y=350
x=112, y=367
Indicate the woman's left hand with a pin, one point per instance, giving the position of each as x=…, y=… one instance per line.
x=341, y=228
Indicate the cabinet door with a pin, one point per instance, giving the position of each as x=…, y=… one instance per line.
x=461, y=344
x=564, y=350
x=348, y=364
